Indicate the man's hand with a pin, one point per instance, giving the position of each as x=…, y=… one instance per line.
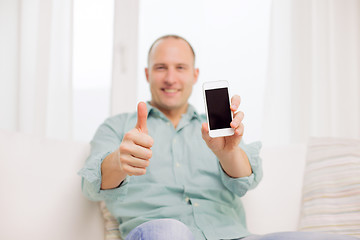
x=228, y=143
x=132, y=156
x=232, y=158
x=134, y=150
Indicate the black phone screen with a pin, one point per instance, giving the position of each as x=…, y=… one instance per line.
x=218, y=108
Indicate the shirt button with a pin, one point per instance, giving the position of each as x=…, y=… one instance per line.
x=168, y=123
x=196, y=204
x=187, y=199
x=177, y=164
x=174, y=141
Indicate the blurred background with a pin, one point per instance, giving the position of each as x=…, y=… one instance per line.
x=67, y=65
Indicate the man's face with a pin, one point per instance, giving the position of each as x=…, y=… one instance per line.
x=171, y=74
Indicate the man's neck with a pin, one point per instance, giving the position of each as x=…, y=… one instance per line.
x=174, y=115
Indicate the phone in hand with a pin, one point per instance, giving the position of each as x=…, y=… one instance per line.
x=217, y=106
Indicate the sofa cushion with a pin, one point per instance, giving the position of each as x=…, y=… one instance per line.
x=111, y=224
x=331, y=188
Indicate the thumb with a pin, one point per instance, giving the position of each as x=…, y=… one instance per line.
x=141, y=117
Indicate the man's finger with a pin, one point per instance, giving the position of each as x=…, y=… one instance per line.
x=235, y=102
x=144, y=140
x=141, y=117
x=205, y=132
x=141, y=152
x=130, y=170
x=238, y=117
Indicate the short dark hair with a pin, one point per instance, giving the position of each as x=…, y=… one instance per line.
x=170, y=36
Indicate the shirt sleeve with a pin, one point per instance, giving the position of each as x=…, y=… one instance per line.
x=105, y=141
x=240, y=186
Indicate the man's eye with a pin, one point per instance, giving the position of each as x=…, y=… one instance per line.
x=181, y=67
x=160, y=68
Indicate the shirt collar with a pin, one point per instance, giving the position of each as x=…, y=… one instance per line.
x=191, y=113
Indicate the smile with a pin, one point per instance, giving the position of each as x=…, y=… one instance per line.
x=169, y=90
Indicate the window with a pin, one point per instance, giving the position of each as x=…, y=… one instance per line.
x=92, y=65
x=230, y=40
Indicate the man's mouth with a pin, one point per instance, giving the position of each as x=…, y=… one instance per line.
x=169, y=90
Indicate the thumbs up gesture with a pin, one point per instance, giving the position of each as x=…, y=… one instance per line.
x=134, y=150
x=141, y=117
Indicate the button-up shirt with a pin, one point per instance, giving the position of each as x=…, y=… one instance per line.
x=184, y=180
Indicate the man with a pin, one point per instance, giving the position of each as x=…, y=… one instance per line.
x=160, y=173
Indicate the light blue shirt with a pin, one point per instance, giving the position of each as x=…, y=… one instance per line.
x=184, y=180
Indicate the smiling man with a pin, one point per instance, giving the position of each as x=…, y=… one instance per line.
x=158, y=170
x=171, y=75
x=160, y=173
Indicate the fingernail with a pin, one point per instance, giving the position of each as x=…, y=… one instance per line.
x=233, y=106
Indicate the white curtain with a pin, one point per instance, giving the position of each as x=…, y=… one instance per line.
x=35, y=76
x=313, y=86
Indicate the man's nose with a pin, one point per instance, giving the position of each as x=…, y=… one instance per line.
x=170, y=77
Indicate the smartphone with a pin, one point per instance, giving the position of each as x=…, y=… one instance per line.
x=217, y=106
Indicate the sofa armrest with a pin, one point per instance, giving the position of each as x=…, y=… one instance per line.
x=274, y=206
x=41, y=191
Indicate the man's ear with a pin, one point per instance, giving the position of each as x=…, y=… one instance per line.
x=147, y=74
x=196, y=75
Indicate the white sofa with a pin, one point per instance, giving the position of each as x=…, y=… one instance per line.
x=41, y=196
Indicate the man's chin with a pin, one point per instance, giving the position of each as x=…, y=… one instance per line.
x=170, y=107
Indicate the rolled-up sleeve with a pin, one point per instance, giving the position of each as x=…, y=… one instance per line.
x=240, y=186
x=105, y=141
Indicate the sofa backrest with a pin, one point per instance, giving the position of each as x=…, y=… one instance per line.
x=41, y=191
